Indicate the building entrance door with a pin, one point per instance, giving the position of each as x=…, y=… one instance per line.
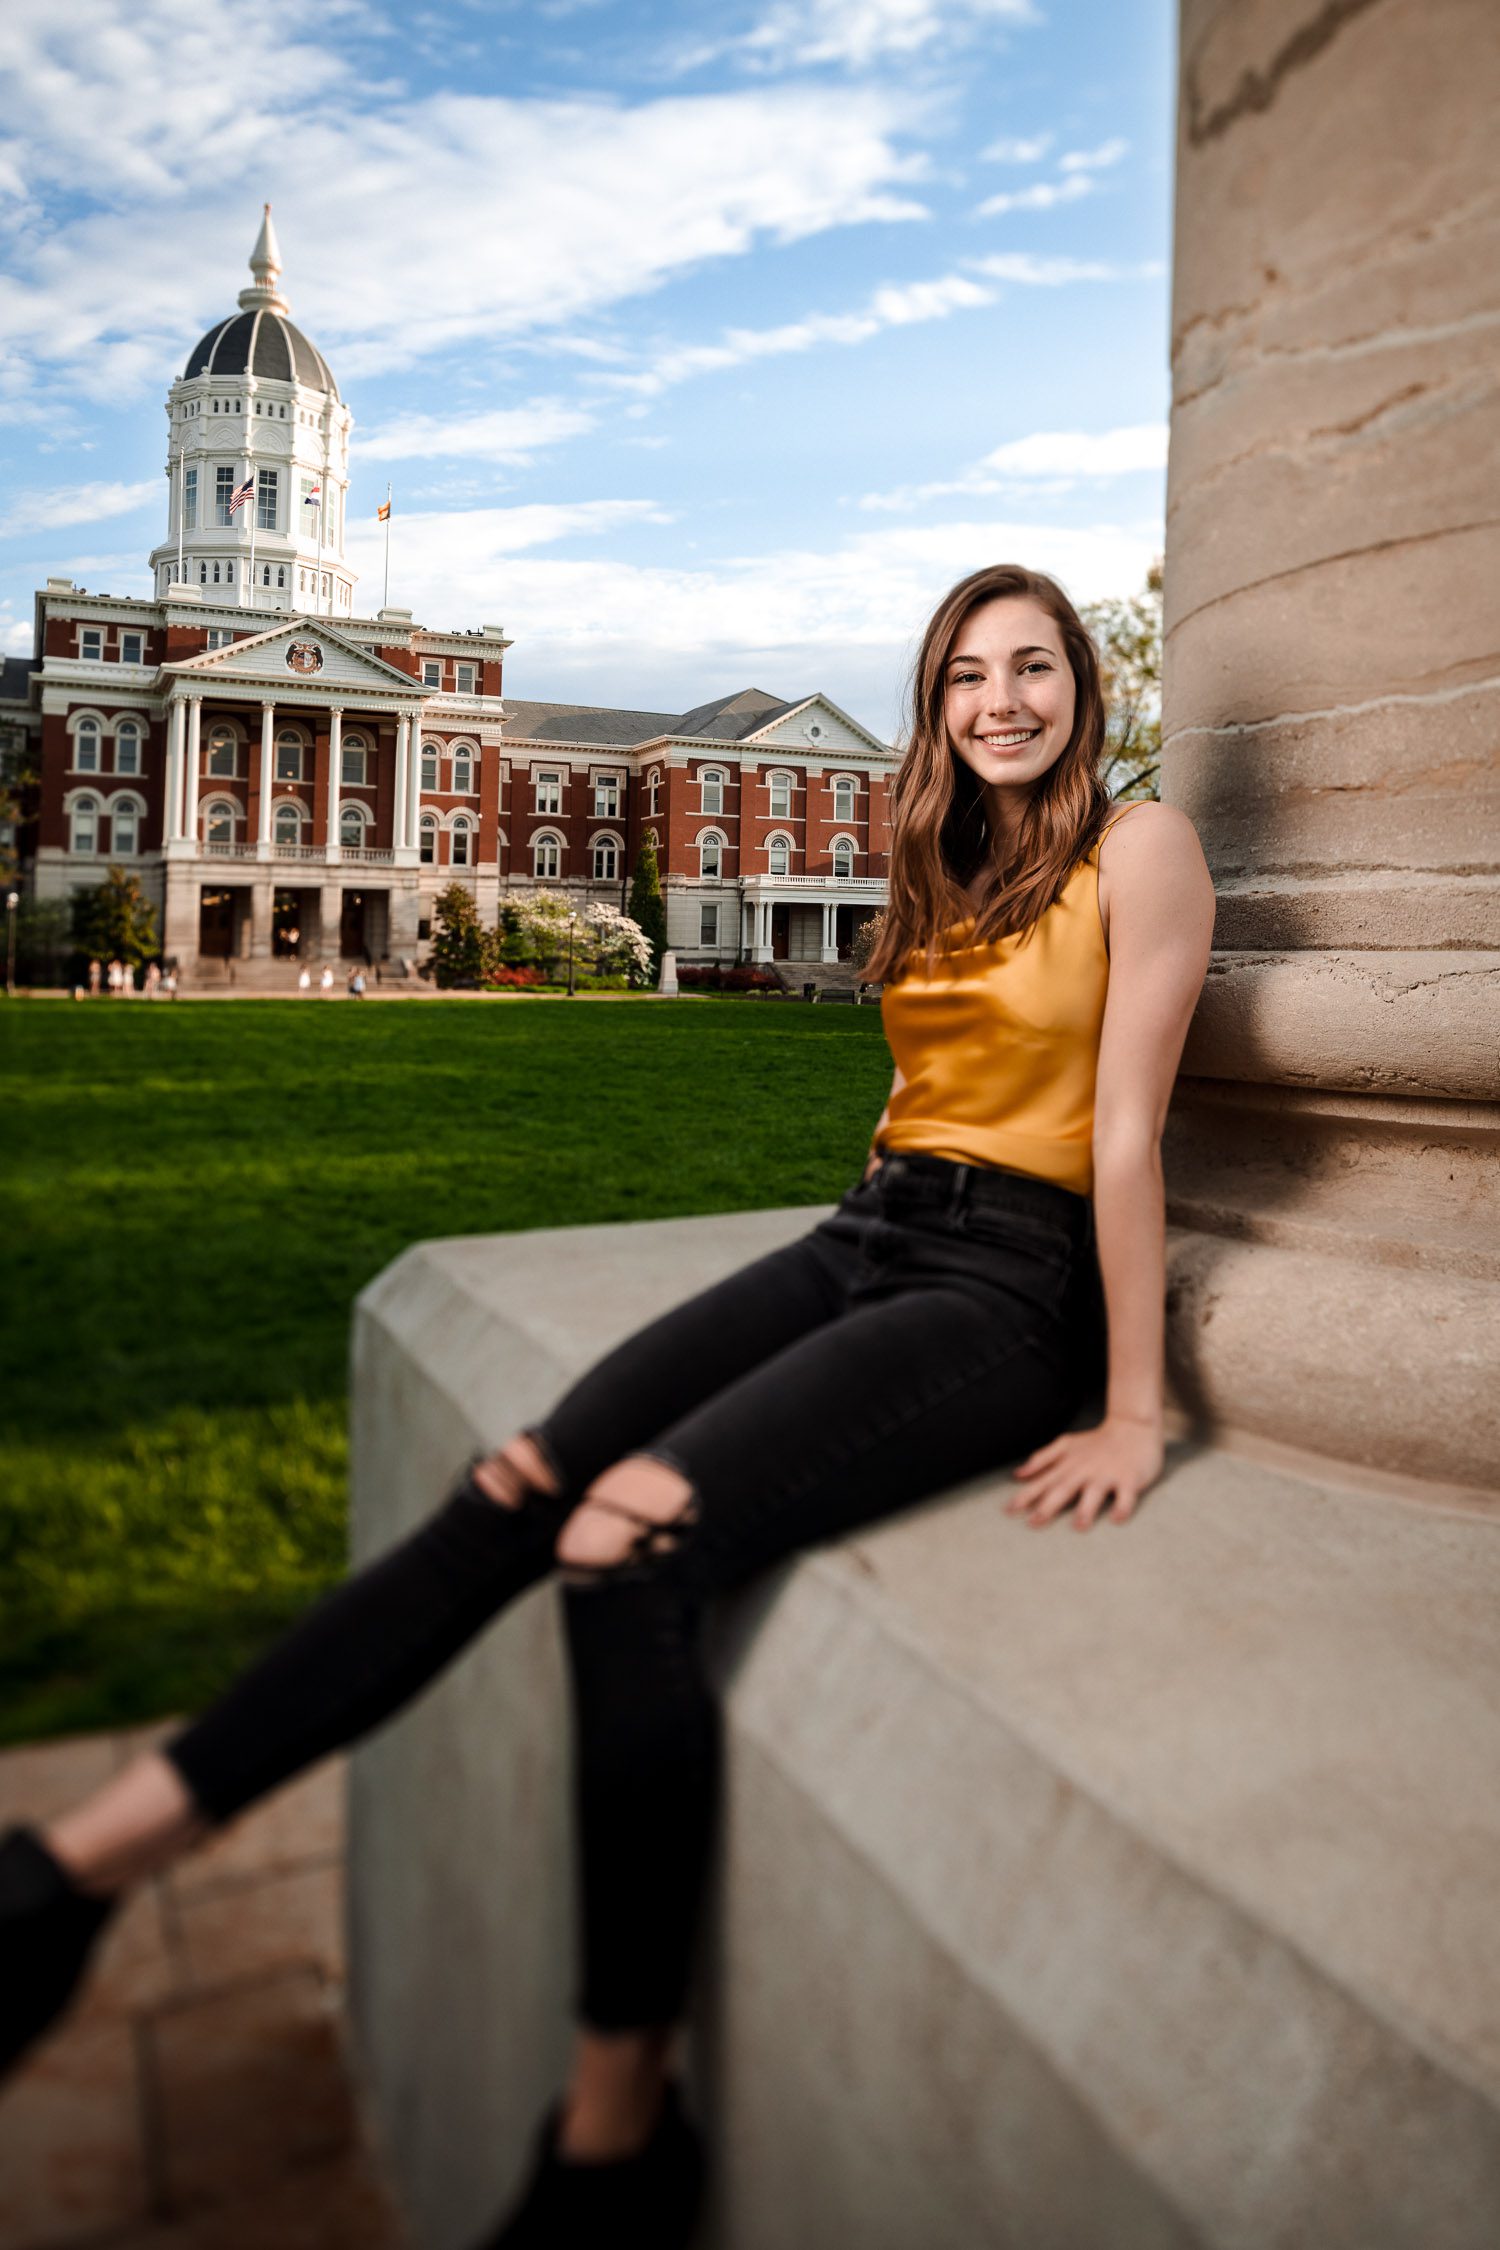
x=216, y=924
x=781, y=932
x=288, y=942
x=352, y=926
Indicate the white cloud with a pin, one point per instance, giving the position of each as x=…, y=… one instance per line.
x=1045, y=196
x=1052, y=273
x=1055, y=458
x=1093, y=159
x=858, y=33
x=77, y=503
x=1012, y=149
x=510, y=434
x=413, y=227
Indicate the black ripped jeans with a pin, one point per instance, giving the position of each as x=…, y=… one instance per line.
x=943, y=1321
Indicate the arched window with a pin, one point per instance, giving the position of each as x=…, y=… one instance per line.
x=86, y=746
x=711, y=855
x=128, y=746
x=352, y=761
x=781, y=796
x=463, y=770
x=546, y=856
x=461, y=844
x=606, y=859
x=352, y=824
x=222, y=751
x=653, y=787
x=429, y=766
x=124, y=827
x=288, y=755
x=843, y=859
x=287, y=827
x=779, y=855
x=713, y=789
x=427, y=839
x=83, y=825
x=843, y=798
x=219, y=823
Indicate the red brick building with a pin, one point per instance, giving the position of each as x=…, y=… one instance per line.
x=294, y=782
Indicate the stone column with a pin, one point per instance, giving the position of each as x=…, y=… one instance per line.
x=171, y=817
x=267, y=778
x=335, y=781
x=1331, y=714
x=399, y=837
x=413, y=777
x=830, y=930
x=190, y=777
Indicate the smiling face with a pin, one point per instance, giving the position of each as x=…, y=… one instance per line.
x=1009, y=701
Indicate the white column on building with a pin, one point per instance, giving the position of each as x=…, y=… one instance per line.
x=171, y=819
x=267, y=776
x=335, y=774
x=190, y=778
x=414, y=780
x=399, y=837
x=830, y=930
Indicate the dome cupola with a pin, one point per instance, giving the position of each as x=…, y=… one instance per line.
x=260, y=338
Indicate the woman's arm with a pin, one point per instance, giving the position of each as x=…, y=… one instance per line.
x=1161, y=923
x=880, y=1124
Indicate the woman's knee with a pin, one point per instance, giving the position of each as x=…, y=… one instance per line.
x=639, y=1507
x=517, y=1469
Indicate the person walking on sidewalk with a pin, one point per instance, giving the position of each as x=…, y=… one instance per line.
x=996, y=1268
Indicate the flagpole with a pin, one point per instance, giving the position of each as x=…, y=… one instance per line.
x=323, y=522
x=181, y=501
x=253, y=504
x=385, y=601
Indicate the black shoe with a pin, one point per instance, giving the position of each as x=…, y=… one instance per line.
x=47, y=1932
x=648, y=2201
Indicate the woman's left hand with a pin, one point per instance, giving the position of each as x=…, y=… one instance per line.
x=1119, y=1459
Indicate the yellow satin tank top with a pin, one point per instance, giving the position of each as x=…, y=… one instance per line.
x=999, y=1046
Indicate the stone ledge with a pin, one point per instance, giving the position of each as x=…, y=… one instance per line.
x=1134, y=1889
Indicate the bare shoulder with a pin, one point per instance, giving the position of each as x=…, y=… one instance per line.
x=1152, y=869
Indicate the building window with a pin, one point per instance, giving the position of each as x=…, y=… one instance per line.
x=288, y=757
x=127, y=747
x=429, y=768
x=781, y=796
x=607, y=797
x=459, y=843
x=465, y=676
x=222, y=749
x=713, y=790
x=203, y=574
x=190, y=500
x=218, y=824
x=223, y=494
x=463, y=773
x=606, y=859
x=548, y=792
x=83, y=827
x=653, y=786
x=287, y=827
x=546, y=858
x=843, y=800
x=281, y=575
x=265, y=500
x=432, y=673
x=309, y=510
x=352, y=762
x=843, y=859
x=86, y=746
x=132, y=648
x=711, y=857
x=427, y=840
x=352, y=827
x=708, y=925
x=219, y=636
x=779, y=855
x=91, y=644
x=125, y=827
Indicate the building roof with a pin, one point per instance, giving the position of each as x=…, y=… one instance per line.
x=584, y=722
x=260, y=339
x=729, y=718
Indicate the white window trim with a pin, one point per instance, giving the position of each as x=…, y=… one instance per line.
x=560, y=775
x=547, y=836
x=75, y=720
x=353, y=809
x=83, y=800
x=606, y=836
x=779, y=836
x=285, y=805
x=711, y=836
x=125, y=800
x=219, y=802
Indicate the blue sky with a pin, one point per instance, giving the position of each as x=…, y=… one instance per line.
x=703, y=347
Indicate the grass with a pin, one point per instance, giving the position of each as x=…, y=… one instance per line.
x=191, y=1200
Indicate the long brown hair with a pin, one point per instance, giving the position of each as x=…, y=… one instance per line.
x=941, y=833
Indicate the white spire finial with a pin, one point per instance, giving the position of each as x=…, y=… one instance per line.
x=265, y=264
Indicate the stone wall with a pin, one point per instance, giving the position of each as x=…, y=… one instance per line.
x=1332, y=717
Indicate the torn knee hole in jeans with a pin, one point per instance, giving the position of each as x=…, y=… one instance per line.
x=651, y=1538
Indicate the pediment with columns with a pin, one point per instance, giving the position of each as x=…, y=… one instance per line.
x=303, y=660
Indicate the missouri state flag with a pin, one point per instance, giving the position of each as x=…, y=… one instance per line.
x=383, y=512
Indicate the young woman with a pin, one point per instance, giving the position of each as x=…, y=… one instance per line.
x=946, y=1320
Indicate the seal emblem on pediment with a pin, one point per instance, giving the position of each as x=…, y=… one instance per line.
x=304, y=657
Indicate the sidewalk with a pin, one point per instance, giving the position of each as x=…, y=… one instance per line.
x=198, y=2097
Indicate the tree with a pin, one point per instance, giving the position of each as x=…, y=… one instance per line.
x=116, y=922
x=647, y=907
x=460, y=947
x=1128, y=635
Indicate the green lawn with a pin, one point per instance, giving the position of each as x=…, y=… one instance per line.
x=193, y=1195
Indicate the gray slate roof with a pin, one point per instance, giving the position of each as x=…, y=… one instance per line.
x=260, y=343
x=729, y=718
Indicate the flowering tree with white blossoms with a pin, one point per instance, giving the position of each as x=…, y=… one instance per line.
x=603, y=937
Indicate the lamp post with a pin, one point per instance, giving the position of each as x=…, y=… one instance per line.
x=12, y=901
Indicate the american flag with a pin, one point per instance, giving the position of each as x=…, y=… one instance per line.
x=243, y=494
x=311, y=499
